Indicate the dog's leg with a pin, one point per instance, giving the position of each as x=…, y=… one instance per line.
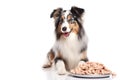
x=60, y=66
x=49, y=60
x=83, y=57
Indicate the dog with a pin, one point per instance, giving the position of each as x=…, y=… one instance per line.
x=71, y=43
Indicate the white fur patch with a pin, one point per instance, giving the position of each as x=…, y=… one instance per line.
x=70, y=49
x=60, y=66
x=65, y=23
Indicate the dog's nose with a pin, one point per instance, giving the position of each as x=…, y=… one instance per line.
x=64, y=28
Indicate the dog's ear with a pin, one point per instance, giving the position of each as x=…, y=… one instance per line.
x=56, y=13
x=78, y=12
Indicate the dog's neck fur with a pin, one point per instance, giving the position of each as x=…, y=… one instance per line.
x=70, y=49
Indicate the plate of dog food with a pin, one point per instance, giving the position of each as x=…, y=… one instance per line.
x=91, y=71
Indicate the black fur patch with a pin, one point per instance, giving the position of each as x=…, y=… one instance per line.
x=61, y=59
x=51, y=15
x=77, y=11
x=58, y=36
x=57, y=59
x=85, y=60
x=57, y=23
x=83, y=49
x=81, y=29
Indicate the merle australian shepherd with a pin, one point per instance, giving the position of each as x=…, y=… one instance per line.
x=71, y=40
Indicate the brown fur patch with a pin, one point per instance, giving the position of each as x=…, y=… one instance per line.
x=59, y=54
x=56, y=13
x=59, y=29
x=84, y=55
x=69, y=17
x=63, y=17
x=50, y=57
x=74, y=27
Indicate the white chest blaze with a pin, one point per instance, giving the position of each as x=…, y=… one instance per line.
x=70, y=49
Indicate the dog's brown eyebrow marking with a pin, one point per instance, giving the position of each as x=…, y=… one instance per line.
x=69, y=17
x=63, y=17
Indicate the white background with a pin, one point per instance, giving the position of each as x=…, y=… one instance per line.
x=27, y=34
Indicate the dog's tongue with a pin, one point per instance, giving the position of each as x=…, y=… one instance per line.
x=66, y=34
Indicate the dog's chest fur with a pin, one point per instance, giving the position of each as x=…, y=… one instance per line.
x=69, y=48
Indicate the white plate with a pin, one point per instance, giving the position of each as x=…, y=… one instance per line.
x=90, y=76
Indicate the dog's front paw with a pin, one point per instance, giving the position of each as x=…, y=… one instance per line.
x=62, y=72
x=60, y=67
x=81, y=62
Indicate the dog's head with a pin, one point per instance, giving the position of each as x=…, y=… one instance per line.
x=68, y=21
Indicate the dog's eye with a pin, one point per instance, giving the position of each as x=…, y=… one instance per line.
x=71, y=21
x=61, y=21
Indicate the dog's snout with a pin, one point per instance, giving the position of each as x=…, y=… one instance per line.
x=64, y=28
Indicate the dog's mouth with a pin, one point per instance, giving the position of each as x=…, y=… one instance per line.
x=66, y=34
